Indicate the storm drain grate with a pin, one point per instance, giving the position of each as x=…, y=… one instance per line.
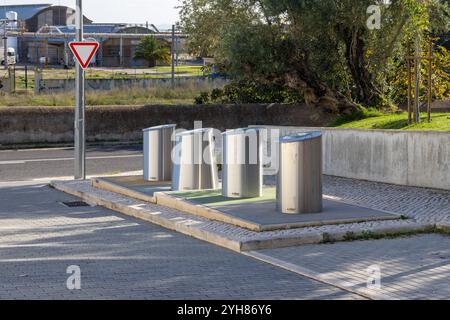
x=75, y=204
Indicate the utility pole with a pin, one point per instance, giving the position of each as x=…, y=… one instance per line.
x=177, y=51
x=5, y=49
x=80, y=147
x=173, y=56
x=430, y=79
x=417, y=81
x=409, y=75
x=121, y=51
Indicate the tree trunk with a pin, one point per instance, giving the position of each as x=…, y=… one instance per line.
x=365, y=90
x=316, y=93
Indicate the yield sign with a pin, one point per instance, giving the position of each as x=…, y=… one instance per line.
x=84, y=51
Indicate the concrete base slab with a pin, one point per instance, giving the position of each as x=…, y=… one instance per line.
x=261, y=214
x=228, y=235
x=256, y=214
x=132, y=186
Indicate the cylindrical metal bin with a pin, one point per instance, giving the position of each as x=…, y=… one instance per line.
x=158, y=145
x=299, y=187
x=195, y=166
x=242, y=175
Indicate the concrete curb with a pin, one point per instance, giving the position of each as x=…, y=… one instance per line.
x=182, y=226
x=104, y=184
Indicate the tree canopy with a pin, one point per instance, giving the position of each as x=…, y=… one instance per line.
x=152, y=50
x=338, y=53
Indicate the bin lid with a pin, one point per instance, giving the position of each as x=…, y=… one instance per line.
x=243, y=130
x=301, y=136
x=164, y=126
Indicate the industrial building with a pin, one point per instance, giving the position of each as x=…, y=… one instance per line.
x=48, y=29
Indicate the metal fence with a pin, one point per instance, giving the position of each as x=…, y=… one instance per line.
x=24, y=76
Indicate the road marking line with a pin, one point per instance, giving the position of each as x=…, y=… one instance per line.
x=69, y=159
x=46, y=180
x=13, y=162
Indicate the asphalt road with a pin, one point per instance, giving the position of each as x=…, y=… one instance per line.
x=23, y=165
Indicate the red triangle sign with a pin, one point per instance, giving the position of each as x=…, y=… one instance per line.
x=84, y=51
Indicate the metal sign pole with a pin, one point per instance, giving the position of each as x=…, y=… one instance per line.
x=80, y=152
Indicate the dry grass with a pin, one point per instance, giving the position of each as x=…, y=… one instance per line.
x=132, y=96
x=96, y=73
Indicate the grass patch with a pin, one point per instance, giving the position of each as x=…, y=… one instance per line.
x=370, y=235
x=399, y=121
x=355, y=116
x=132, y=96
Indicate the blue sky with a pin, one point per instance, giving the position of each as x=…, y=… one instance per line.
x=158, y=12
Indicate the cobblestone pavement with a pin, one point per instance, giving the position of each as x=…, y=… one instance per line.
x=125, y=258
x=416, y=267
x=421, y=204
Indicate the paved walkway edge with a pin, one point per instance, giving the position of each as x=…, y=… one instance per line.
x=347, y=286
x=186, y=224
x=249, y=247
x=135, y=212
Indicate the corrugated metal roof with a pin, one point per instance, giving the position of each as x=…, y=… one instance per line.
x=24, y=12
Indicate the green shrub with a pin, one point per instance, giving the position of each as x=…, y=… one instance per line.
x=244, y=91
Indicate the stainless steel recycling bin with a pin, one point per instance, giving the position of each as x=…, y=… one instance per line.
x=158, y=145
x=299, y=187
x=195, y=166
x=242, y=175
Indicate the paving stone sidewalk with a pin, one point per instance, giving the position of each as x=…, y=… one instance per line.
x=433, y=207
x=125, y=258
x=416, y=267
x=421, y=204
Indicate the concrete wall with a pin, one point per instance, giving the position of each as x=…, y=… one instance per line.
x=407, y=158
x=412, y=158
x=32, y=125
x=63, y=85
